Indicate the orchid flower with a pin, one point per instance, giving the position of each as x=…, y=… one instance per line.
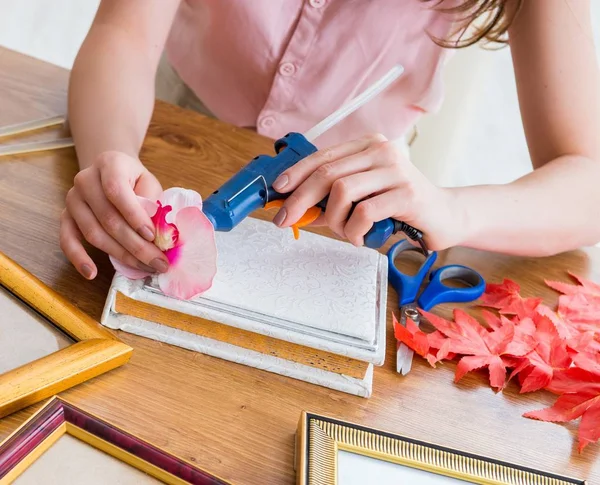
x=186, y=237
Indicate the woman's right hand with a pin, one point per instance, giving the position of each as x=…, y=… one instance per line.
x=103, y=209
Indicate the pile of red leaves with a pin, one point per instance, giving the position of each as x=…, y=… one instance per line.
x=558, y=351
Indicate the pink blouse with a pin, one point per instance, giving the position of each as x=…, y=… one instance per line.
x=283, y=65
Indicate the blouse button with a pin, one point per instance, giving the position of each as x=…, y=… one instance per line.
x=267, y=122
x=317, y=3
x=287, y=69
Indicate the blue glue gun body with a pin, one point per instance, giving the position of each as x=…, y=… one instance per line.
x=252, y=187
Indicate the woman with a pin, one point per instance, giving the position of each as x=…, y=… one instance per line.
x=280, y=66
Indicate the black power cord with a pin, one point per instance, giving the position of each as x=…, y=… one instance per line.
x=411, y=232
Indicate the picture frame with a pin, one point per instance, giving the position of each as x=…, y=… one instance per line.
x=95, y=351
x=321, y=441
x=59, y=417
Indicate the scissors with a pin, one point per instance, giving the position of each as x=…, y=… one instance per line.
x=435, y=292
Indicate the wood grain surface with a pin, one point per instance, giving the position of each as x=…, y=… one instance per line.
x=236, y=421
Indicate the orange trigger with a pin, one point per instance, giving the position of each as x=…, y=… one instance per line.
x=309, y=216
x=274, y=204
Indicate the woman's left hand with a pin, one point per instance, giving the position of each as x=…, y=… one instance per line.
x=374, y=172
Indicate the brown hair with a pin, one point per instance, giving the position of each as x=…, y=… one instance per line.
x=496, y=17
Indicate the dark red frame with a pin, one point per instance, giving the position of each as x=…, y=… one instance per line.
x=57, y=412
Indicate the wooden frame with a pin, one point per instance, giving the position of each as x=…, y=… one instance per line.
x=319, y=438
x=59, y=417
x=95, y=352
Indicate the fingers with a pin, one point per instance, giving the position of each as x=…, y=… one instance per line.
x=94, y=233
x=316, y=187
x=113, y=225
x=148, y=186
x=354, y=188
x=103, y=209
x=331, y=166
x=366, y=181
x=293, y=177
x=120, y=193
x=373, y=210
x=70, y=243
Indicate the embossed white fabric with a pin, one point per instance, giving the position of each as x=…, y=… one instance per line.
x=315, y=281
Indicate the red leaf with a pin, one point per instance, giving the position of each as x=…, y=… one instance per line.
x=570, y=406
x=462, y=331
x=585, y=287
x=579, y=304
x=566, y=408
x=438, y=341
x=494, y=363
x=573, y=380
x=506, y=298
x=579, y=389
x=412, y=336
x=522, y=338
x=554, y=350
x=422, y=343
x=526, y=327
x=535, y=376
x=582, y=311
x=545, y=330
x=589, y=427
x=480, y=348
x=587, y=342
x=549, y=355
x=588, y=362
x=563, y=327
x=492, y=320
x=537, y=372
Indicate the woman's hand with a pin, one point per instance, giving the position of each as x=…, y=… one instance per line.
x=102, y=208
x=375, y=173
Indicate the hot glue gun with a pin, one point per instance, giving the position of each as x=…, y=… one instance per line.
x=252, y=187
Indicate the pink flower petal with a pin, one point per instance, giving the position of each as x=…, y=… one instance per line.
x=128, y=271
x=194, y=260
x=178, y=199
x=167, y=234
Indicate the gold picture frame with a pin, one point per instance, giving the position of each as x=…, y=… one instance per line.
x=95, y=351
x=319, y=440
x=58, y=418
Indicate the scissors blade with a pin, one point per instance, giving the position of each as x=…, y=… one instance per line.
x=404, y=354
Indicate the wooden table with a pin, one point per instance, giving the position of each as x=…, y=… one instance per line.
x=232, y=420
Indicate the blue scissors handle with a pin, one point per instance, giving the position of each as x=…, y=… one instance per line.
x=436, y=291
x=407, y=286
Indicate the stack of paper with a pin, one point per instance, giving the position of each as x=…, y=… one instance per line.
x=312, y=309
